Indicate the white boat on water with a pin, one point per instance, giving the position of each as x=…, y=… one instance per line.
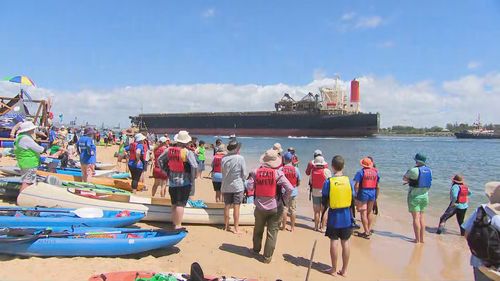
x=157, y=209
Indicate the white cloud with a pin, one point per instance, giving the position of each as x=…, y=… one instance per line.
x=351, y=20
x=424, y=103
x=208, y=13
x=319, y=73
x=473, y=64
x=386, y=44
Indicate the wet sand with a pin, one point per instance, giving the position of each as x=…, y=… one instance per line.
x=388, y=255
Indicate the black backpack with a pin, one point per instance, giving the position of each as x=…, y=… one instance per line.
x=484, y=239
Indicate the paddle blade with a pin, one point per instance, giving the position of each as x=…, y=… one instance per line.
x=89, y=213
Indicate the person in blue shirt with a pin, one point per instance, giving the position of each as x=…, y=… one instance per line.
x=337, y=196
x=367, y=189
x=87, y=150
x=459, y=202
x=52, y=135
x=136, y=163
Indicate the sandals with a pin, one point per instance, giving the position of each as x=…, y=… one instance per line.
x=363, y=235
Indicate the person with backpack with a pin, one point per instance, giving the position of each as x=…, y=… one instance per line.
x=482, y=230
x=292, y=173
x=419, y=178
x=459, y=199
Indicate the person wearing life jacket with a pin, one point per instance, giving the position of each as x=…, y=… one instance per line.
x=158, y=174
x=459, y=202
x=482, y=231
x=180, y=165
x=87, y=150
x=295, y=158
x=216, y=172
x=292, y=173
x=419, y=178
x=366, y=189
x=318, y=174
x=337, y=195
x=27, y=153
x=272, y=189
x=136, y=160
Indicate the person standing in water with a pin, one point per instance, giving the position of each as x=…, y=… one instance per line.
x=459, y=202
x=419, y=178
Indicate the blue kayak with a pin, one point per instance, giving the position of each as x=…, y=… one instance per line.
x=85, y=241
x=45, y=217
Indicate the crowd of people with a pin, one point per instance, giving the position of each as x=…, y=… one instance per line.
x=273, y=189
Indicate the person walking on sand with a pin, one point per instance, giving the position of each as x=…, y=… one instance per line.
x=137, y=162
x=272, y=189
x=337, y=194
x=459, y=199
x=158, y=174
x=87, y=150
x=27, y=153
x=233, y=183
x=217, y=172
x=200, y=153
x=292, y=173
x=482, y=230
x=318, y=174
x=180, y=165
x=419, y=178
x=366, y=189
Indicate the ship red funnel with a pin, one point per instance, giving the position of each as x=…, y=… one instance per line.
x=354, y=91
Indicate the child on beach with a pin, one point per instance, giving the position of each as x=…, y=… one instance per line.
x=459, y=199
x=217, y=172
x=292, y=173
x=337, y=195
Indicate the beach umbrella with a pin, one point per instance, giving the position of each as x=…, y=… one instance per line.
x=22, y=80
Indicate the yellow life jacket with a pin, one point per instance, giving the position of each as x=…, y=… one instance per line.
x=340, y=192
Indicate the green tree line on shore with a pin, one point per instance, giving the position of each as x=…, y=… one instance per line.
x=449, y=129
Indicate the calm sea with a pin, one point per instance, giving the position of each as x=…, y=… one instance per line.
x=477, y=160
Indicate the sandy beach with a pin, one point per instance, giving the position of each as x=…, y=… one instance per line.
x=388, y=255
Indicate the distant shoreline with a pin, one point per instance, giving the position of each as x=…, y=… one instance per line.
x=430, y=134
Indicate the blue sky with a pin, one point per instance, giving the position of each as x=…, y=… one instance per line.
x=75, y=45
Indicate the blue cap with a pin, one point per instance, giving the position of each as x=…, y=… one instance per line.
x=288, y=156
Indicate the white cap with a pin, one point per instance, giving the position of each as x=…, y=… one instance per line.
x=139, y=137
x=163, y=139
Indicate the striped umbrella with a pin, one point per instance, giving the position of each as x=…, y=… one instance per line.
x=23, y=80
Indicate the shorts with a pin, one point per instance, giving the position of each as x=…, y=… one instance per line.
x=291, y=205
x=250, y=199
x=159, y=174
x=179, y=195
x=418, y=203
x=217, y=185
x=28, y=175
x=145, y=166
x=201, y=165
x=365, y=195
x=338, y=233
x=316, y=200
x=233, y=198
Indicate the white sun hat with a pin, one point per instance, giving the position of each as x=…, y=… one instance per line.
x=182, y=137
x=26, y=127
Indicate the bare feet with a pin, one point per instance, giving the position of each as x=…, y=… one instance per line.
x=331, y=271
x=236, y=231
x=342, y=273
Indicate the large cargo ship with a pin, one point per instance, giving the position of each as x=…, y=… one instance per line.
x=325, y=115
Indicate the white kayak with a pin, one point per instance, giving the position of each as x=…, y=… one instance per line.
x=157, y=209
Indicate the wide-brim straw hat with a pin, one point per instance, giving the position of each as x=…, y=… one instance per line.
x=366, y=162
x=139, y=137
x=271, y=158
x=182, y=137
x=492, y=190
x=457, y=179
x=26, y=126
x=277, y=147
x=319, y=161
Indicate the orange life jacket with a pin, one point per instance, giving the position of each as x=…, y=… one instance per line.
x=318, y=177
x=175, y=163
x=290, y=174
x=370, y=178
x=265, y=182
x=218, y=163
x=463, y=194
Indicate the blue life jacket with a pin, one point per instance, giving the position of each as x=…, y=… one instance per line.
x=424, y=179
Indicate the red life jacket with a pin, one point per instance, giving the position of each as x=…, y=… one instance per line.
x=157, y=152
x=463, y=194
x=218, y=163
x=318, y=177
x=370, y=178
x=175, y=163
x=290, y=174
x=145, y=144
x=265, y=182
x=132, y=149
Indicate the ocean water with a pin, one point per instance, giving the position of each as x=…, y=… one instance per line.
x=477, y=160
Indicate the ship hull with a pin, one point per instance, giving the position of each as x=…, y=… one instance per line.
x=263, y=124
x=476, y=136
